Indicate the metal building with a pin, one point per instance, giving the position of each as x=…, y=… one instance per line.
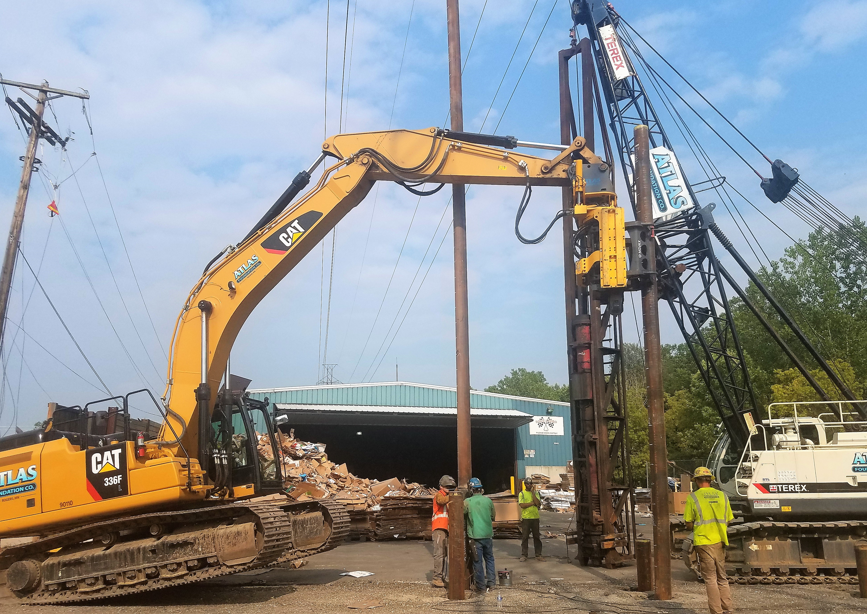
x=401, y=429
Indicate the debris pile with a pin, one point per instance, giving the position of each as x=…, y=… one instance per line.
x=308, y=474
x=378, y=511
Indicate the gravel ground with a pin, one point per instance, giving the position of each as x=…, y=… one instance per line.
x=401, y=585
x=602, y=596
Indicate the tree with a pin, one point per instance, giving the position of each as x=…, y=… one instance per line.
x=530, y=384
x=790, y=386
x=822, y=283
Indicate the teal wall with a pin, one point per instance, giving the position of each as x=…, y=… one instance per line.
x=549, y=449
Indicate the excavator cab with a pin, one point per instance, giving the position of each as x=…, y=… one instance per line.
x=244, y=457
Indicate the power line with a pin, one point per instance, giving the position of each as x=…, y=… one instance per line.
x=65, y=327
x=324, y=136
x=409, y=289
x=334, y=230
x=89, y=118
x=445, y=234
x=101, y=305
x=373, y=207
x=505, y=72
x=527, y=63
x=47, y=351
x=111, y=273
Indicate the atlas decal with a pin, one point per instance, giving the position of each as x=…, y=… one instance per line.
x=859, y=463
x=279, y=241
x=18, y=481
x=107, y=472
x=244, y=271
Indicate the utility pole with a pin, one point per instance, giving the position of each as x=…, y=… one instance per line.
x=38, y=130
x=653, y=366
x=457, y=542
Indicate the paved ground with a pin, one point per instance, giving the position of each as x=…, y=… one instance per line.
x=400, y=583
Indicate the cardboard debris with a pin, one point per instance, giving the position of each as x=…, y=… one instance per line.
x=370, y=604
x=387, y=510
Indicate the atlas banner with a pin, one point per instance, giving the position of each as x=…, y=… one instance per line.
x=617, y=61
x=670, y=193
x=546, y=425
x=107, y=474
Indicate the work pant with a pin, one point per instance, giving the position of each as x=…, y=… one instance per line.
x=484, y=567
x=441, y=552
x=527, y=525
x=712, y=559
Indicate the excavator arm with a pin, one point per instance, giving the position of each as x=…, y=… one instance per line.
x=228, y=291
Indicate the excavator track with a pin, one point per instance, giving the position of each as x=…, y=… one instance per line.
x=84, y=564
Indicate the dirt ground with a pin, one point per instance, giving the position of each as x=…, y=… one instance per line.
x=401, y=583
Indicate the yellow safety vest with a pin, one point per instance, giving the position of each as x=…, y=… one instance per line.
x=710, y=512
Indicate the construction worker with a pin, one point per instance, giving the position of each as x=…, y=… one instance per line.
x=480, y=515
x=707, y=514
x=440, y=529
x=529, y=502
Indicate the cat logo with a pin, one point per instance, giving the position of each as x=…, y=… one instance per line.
x=107, y=472
x=105, y=462
x=280, y=241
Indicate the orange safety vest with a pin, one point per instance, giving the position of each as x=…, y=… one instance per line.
x=440, y=518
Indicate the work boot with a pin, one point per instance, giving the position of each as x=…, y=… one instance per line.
x=539, y=557
x=522, y=559
x=438, y=583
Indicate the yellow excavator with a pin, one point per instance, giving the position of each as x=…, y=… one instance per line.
x=113, y=511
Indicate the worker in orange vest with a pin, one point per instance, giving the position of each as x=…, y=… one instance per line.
x=440, y=529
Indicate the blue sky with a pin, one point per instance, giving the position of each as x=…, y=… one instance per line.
x=204, y=111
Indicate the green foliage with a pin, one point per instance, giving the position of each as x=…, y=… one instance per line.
x=530, y=384
x=790, y=386
x=822, y=283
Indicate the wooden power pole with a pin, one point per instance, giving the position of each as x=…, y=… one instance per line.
x=32, y=117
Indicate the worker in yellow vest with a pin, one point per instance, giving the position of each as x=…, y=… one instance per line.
x=440, y=529
x=529, y=502
x=708, y=513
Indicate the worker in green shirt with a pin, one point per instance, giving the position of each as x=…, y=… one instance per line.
x=480, y=515
x=707, y=514
x=529, y=502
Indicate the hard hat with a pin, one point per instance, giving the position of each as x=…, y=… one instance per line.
x=702, y=472
x=447, y=481
x=474, y=483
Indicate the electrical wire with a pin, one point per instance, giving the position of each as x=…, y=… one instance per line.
x=65, y=327
x=88, y=115
x=527, y=63
x=334, y=230
x=418, y=193
x=505, y=72
x=111, y=273
x=324, y=136
x=409, y=288
x=101, y=304
x=406, y=294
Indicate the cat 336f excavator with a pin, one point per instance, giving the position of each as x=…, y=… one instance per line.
x=116, y=513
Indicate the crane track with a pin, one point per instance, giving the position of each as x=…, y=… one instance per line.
x=773, y=553
x=273, y=516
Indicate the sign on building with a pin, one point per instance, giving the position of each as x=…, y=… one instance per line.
x=546, y=425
